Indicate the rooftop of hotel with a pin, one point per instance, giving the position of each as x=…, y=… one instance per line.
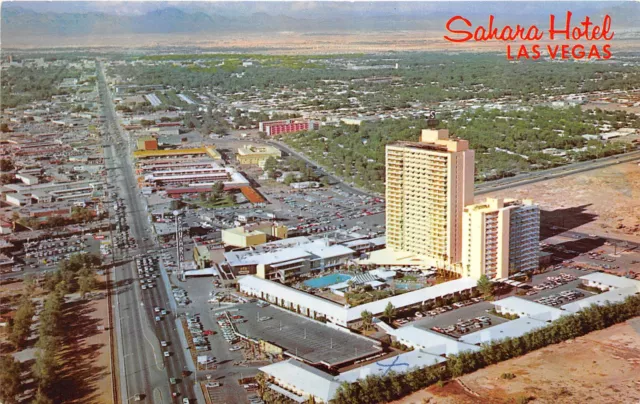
x=251, y=149
x=436, y=140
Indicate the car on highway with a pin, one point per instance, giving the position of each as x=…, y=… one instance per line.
x=173, y=380
x=163, y=343
x=166, y=354
x=185, y=401
x=158, y=318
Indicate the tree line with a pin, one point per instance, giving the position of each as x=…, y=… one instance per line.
x=77, y=274
x=421, y=77
x=381, y=389
x=506, y=142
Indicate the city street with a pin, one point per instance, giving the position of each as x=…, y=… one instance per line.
x=145, y=371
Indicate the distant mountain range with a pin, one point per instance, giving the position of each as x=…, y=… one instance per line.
x=94, y=18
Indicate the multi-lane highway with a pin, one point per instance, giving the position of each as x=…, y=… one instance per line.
x=496, y=185
x=557, y=172
x=143, y=368
x=337, y=180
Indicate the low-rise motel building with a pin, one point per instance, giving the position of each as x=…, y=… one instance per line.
x=273, y=128
x=253, y=234
x=301, y=382
x=257, y=155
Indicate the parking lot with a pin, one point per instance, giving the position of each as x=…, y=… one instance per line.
x=464, y=314
x=305, y=338
x=595, y=252
x=329, y=208
x=44, y=255
x=450, y=318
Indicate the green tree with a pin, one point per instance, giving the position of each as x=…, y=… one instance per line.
x=45, y=369
x=271, y=164
x=6, y=165
x=325, y=180
x=86, y=281
x=10, y=379
x=290, y=179
x=389, y=312
x=6, y=179
x=51, y=314
x=485, y=286
x=56, y=221
x=80, y=214
x=262, y=381
x=216, y=190
x=367, y=319
x=41, y=398
x=21, y=326
x=29, y=285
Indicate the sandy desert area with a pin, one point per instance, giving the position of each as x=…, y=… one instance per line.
x=601, y=367
x=604, y=201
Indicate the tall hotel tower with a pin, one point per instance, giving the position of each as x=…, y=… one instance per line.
x=428, y=184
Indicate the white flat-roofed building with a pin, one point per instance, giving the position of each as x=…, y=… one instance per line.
x=48, y=187
x=431, y=342
x=315, y=307
x=526, y=308
x=617, y=295
x=511, y=329
x=299, y=381
x=324, y=256
x=82, y=192
x=403, y=363
x=17, y=199
x=605, y=281
x=286, y=263
x=27, y=178
x=414, y=298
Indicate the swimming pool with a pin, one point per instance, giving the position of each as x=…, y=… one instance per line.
x=327, y=280
x=408, y=286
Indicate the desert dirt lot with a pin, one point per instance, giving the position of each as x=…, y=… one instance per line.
x=601, y=367
x=605, y=202
x=85, y=375
x=283, y=42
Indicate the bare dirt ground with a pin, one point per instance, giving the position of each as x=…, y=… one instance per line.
x=612, y=106
x=285, y=42
x=86, y=375
x=601, y=367
x=605, y=202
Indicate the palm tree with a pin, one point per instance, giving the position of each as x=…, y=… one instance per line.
x=367, y=319
x=389, y=312
x=261, y=379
